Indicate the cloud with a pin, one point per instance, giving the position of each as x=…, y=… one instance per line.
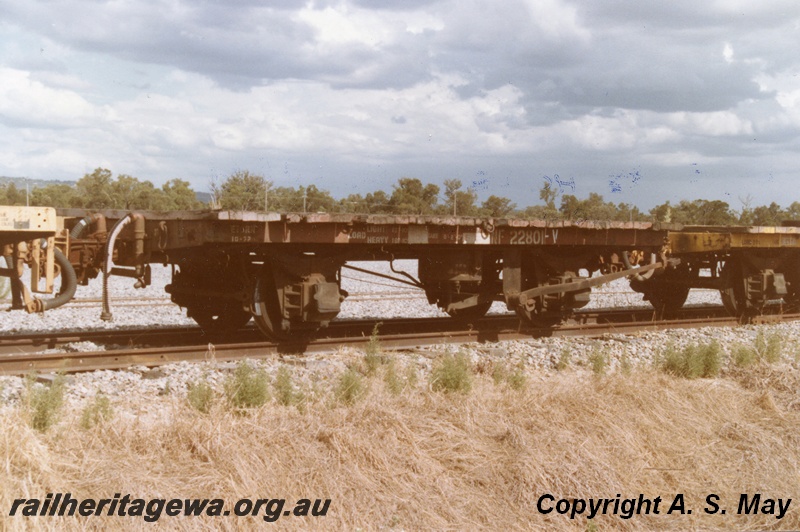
x=166, y=88
x=31, y=104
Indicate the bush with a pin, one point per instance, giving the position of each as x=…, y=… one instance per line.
x=744, y=356
x=564, y=360
x=349, y=388
x=692, y=361
x=200, y=396
x=285, y=392
x=597, y=360
x=515, y=379
x=248, y=387
x=769, y=348
x=44, y=402
x=451, y=373
x=394, y=384
x=499, y=373
x=96, y=412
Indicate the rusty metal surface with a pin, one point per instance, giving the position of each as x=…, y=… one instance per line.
x=715, y=241
x=176, y=230
x=24, y=223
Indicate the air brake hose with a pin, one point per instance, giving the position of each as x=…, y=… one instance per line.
x=80, y=226
x=16, y=292
x=106, y=315
x=69, y=282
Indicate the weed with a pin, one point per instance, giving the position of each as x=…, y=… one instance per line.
x=744, y=356
x=625, y=365
x=564, y=359
x=451, y=373
x=769, y=348
x=412, y=379
x=44, y=402
x=499, y=373
x=597, y=359
x=394, y=384
x=349, y=388
x=285, y=392
x=693, y=361
x=517, y=379
x=248, y=387
x=373, y=357
x=96, y=412
x=200, y=396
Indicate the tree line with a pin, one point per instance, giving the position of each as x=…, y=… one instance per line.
x=100, y=190
x=243, y=190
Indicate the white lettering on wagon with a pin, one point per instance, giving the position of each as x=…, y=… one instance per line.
x=534, y=237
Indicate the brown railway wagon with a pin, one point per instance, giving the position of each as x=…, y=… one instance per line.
x=284, y=270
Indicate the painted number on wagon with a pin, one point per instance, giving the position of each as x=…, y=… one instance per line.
x=533, y=236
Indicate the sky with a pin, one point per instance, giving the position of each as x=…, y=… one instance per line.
x=641, y=102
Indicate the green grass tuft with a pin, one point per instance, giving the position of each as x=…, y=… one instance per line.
x=248, y=387
x=286, y=392
x=769, y=348
x=598, y=360
x=350, y=387
x=451, y=373
x=200, y=396
x=43, y=403
x=391, y=378
x=96, y=412
x=564, y=359
x=693, y=361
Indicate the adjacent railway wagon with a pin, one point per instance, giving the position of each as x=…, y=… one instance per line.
x=750, y=266
x=34, y=237
x=284, y=270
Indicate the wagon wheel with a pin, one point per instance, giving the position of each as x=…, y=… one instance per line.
x=266, y=308
x=268, y=315
x=792, y=274
x=667, y=300
x=734, y=291
x=667, y=292
x=219, y=318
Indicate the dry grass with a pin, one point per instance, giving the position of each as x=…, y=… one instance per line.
x=433, y=460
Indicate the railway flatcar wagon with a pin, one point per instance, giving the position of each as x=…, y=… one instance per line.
x=284, y=270
x=752, y=267
x=33, y=237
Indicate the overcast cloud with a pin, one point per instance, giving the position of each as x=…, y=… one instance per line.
x=696, y=99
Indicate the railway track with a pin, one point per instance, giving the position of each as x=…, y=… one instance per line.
x=168, y=345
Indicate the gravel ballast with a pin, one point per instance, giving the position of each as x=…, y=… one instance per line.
x=372, y=298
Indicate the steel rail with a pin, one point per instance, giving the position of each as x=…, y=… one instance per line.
x=184, y=335
x=483, y=331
